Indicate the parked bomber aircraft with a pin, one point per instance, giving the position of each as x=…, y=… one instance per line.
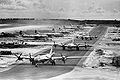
x=43, y=35
x=64, y=31
x=54, y=34
x=84, y=36
x=43, y=58
x=51, y=34
x=73, y=27
x=116, y=39
x=4, y=34
x=72, y=45
x=88, y=37
x=16, y=44
x=36, y=36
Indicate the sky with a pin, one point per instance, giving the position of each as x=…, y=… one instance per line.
x=60, y=9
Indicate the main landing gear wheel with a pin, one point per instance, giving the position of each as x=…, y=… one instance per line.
x=77, y=48
x=63, y=47
x=36, y=65
x=53, y=62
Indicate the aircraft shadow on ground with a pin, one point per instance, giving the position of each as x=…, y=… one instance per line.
x=62, y=64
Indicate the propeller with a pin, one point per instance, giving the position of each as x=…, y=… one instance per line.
x=63, y=46
x=85, y=45
x=55, y=45
x=36, y=31
x=51, y=60
x=31, y=59
x=64, y=58
x=19, y=58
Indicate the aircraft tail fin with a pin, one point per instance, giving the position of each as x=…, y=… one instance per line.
x=21, y=33
x=36, y=32
x=51, y=51
x=53, y=30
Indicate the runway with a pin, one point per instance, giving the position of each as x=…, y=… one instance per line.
x=27, y=71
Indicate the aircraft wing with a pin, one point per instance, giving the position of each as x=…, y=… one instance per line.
x=81, y=45
x=69, y=57
x=71, y=46
x=84, y=45
x=8, y=56
x=13, y=56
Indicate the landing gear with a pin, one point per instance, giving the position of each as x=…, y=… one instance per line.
x=36, y=65
x=77, y=48
x=33, y=63
x=53, y=62
x=54, y=45
x=82, y=38
x=63, y=47
x=85, y=46
x=91, y=38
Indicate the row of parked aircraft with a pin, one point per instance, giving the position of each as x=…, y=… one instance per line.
x=49, y=57
x=15, y=44
x=56, y=34
x=72, y=45
x=37, y=35
x=41, y=58
x=22, y=44
x=46, y=36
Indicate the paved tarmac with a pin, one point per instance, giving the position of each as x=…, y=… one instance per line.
x=27, y=71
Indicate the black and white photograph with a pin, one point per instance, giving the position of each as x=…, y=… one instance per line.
x=59, y=39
